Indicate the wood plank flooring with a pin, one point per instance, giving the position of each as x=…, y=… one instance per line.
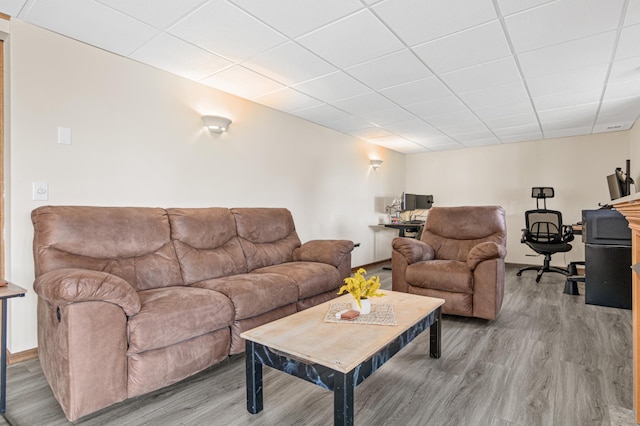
x=548, y=359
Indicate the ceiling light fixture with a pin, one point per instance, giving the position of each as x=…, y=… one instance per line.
x=215, y=123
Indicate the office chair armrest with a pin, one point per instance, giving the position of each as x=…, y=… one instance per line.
x=485, y=251
x=413, y=250
x=567, y=233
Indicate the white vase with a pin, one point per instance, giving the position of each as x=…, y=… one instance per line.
x=366, y=306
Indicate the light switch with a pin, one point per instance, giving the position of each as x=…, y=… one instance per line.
x=64, y=135
x=40, y=191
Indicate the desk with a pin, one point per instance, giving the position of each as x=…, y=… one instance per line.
x=6, y=292
x=403, y=227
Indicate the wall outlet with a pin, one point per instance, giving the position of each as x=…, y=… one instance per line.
x=64, y=135
x=40, y=191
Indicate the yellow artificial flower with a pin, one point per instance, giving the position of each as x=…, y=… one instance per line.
x=361, y=288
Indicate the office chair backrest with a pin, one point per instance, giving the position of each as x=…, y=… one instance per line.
x=544, y=226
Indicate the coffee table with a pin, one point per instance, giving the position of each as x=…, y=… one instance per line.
x=337, y=356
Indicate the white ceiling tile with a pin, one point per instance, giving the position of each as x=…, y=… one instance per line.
x=508, y=7
x=321, y=114
x=560, y=99
x=625, y=69
x=561, y=21
x=517, y=130
x=465, y=124
x=619, y=110
x=295, y=17
x=446, y=147
x=160, y=14
x=333, y=87
x=11, y=7
x=622, y=89
x=390, y=70
x=362, y=104
x=396, y=142
x=176, y=56
x=617, y=127
x=413, y=127
x=628, y=45
x=567, y=56
x=370, y=132
x=242, y=82
x=633, y=13
x=494, y=73
x=581, y=115
x=350, y=124
x=569, y=81
x=92, y=23
x=466, y=48
x=417, y=91
x=352, y=40
x=388, y=116
x=438, y=106
x=522, y=137
x=566, y=132
x=289, y=64
x=227, y=31
x=287, y=100
x=481, y=142
x=505, y=94
x=581, y=122
x=472, y=136
x=512, y=121
x=418, y=21
x=506, y=110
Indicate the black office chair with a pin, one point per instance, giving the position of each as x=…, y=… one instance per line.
x=545, y=233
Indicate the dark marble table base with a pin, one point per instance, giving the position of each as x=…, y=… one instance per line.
x=342, y=384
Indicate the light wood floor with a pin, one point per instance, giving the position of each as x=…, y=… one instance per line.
x=548, y=359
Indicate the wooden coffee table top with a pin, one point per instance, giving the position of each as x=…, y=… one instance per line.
x=340, y=346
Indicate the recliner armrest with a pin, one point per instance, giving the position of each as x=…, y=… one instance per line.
x=69, y=285
x=331, y=252
x=485, y=251
x=413, y=250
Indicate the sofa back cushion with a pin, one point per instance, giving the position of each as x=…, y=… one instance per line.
x=454, y=231
x=130, y=242
x=267, y=235
x=206, y=243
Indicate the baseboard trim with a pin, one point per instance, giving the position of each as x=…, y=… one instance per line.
x=371, y=265
x=21, y=356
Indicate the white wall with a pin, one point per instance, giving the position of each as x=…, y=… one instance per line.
x=503, y=175
x=138, y=140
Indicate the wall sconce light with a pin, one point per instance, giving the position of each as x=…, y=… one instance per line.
x=216, y=124
x=375, y=164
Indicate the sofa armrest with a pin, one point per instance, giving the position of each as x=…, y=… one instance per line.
x=69, y=285
x=485, y=251
x=413, y=250
x=332, y=252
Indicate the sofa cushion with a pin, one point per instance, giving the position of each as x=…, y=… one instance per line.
x=132, y=243
x=312, y=278
x=254, y=294
x=206, y=243
x=449, y=275
x=267, y=235
x=174, y=314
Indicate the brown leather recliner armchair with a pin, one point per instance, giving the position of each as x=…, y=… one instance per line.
x=459, y=258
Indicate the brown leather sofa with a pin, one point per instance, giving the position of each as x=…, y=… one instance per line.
x=133, y=299
x=459, y=258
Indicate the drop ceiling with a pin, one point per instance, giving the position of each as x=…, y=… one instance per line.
x=410, y=75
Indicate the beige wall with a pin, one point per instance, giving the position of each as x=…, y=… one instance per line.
x=634, y=148
x=503, y=175
x=138, y=139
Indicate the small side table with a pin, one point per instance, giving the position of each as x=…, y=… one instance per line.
x=6, y=292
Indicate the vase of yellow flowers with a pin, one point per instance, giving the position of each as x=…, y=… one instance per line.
x=362, y=289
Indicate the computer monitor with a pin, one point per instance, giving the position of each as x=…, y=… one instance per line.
x=424, y=202
x=408, y=202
